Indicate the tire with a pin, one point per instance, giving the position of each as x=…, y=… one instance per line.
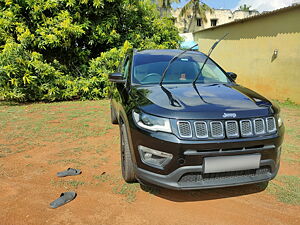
x=113, y=116
x=126, y=161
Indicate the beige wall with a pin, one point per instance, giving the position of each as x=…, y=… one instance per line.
x=248, y=51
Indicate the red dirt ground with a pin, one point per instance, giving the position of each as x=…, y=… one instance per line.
x=28, y=181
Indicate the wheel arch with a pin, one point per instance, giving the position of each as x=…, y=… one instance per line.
x=124, y=120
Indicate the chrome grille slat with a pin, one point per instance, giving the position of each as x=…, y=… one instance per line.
x=271, y=125
x=184, y=128
x=246, y=128
x=217, y=129
x=232, y=129
x=201, y=129
x=259, y=126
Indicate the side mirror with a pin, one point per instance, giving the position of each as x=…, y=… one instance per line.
x=116, y=78
x=232, y=75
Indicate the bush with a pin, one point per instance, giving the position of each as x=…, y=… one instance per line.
x=61, y=50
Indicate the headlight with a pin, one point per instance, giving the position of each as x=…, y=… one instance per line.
x=279, y=121
x=150, y=122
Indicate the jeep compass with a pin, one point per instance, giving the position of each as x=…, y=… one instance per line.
x=186, y=124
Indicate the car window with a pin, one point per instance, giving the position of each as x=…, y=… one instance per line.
x=212, y=73
x=125, y=68
x=142, y=71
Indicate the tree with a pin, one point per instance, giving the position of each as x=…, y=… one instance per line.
x=194, y=8
x=245, y=8
x=57, y=50
x=165, y=6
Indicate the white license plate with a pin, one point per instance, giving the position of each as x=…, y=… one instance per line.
x=231, y=163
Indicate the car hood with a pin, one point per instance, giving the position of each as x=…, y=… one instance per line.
x=202, y=101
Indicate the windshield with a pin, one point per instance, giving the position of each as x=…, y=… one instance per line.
x=148, y=69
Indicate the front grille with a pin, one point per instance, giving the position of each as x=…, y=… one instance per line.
x=201, y=129
x=184, y=129
x=226, y=128
x=200, y=177
x=217, y=130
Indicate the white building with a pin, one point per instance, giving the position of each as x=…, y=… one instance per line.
x=213, y=18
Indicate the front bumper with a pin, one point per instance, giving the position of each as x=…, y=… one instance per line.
x=197, y=181
x=185, y=170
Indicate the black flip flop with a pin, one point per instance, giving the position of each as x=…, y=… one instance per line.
x=69, y=172
x=63, y=199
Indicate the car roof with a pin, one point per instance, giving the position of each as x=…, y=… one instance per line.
x=165, y=52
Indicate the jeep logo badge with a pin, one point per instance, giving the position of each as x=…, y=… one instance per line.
x=226, y=115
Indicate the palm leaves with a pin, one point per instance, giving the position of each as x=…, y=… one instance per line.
x=245, y=8
x=194, y=8
x=165, y=6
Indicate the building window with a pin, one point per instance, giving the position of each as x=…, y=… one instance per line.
x=199, y=22
x=213, y=22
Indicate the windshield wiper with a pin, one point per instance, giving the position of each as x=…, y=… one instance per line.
x=172, y=100
x=210, y=51
x=171, y=61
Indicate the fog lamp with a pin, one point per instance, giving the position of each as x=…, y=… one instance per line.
x=153, y=157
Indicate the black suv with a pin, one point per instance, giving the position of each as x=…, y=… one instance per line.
x=187, y=127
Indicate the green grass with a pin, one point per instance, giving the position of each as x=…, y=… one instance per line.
x=76, y=162
x=104, y=177
x=292, y=161
x=70, y=152
x=68, y=183
x=2, y=171
x=31, y=125
x=118, y=186
x=290, y=131
x=127, y=190
x=291, y=147
x=286, y=189
x=7, y=103
x=104, y=159
x=4, y=151
x=287, y=103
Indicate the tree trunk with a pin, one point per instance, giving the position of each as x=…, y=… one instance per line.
x=184, y=26
x=191, y=21
x=163, y=9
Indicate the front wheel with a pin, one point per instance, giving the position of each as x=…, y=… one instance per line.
x=126, y=161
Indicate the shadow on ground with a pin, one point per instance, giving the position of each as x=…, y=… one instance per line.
x=206, y=194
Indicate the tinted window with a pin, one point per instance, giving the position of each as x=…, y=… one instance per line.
x=125, y=68
x=148, y=69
